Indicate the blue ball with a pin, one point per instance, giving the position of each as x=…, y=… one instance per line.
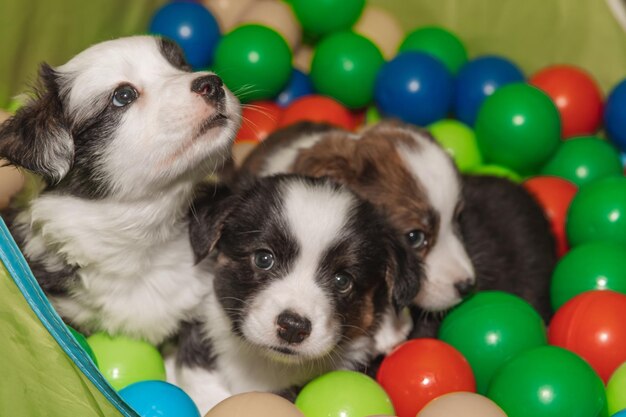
x=620, y=414
x=615, y=116
x=159, y=399
x=477, y=80
x=414, y=87
x=299, y=85
x=192, y=26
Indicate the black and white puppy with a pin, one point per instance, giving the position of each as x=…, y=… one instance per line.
x=304, y=273
x=121, y=134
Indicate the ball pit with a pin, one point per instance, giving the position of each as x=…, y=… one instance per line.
x=255, y=404
x=460, y=142
x=276, y=15
x=615, y=116
x=299, y=85
x=466, y=404
x=496, y=171
x=258, y=119
x=616, y=390
x=489, y=329
x=159, y=399
x=438, y=42
x=323, y=17
x=316, y=108
x=227, y=12
x=420, y=370
x=382, y=28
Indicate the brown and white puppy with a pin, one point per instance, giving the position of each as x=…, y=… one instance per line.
x=444, y=216
x=305, y=272
x=121, y=134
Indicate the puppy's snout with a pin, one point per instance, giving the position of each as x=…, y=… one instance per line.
x=210, y=87
x=466, y=287
x=293, y=328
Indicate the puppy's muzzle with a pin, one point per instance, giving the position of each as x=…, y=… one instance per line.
x=210, y=87
x=293, y=328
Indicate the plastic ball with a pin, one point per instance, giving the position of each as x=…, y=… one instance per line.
x=616, y=390
x=382, y=28
x=489, y=329
x=316, y=108
x=598, y=212
x=124, y=361
x=496, y=171
x=420, y=370
x=159, y=399
x=577, y=97
x=466, y=404
x=254, y=61
x=82, y=341
x=372, y=115
x=518, y=127
x=583, y=160
x=299, y=85
x=255, y=404
x=554, y=195
x=276, y=15
x=619, y=414
x=344, y=67
x=192, y=26
x=548, y=381
x=241, y=149
x=591, y=266
x=343, y=394
x=323, y=17
x=227, y=12
x=459, y=141
x=302, y=58
x=438, y=42
x=477, y=80
x=258, y=120
x=414, y=87
x=592, y=325
x=615, y=115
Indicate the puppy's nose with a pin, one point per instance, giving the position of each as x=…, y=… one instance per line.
x=466, y=287
x=293, y=328
x=209, y=87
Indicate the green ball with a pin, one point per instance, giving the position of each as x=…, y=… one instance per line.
x=438, y=42
x=518, y=126
x=496, y=171
x=83, y=343
x=344, y=394
x=254, y=61
x=583, y=160
x=548, y=381
x=489, y=329
x=124, y=361
x=598, y=212
x=591, y=266
x=460, y=142
x=372, y=115
x=616, y=390
x=322, y=17
x=344, y=67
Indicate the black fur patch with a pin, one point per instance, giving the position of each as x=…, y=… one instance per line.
x=194, y=350
x=174, y=54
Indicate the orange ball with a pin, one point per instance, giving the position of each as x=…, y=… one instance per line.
x=554, y=195
x=276, y=15
x=316, y=108
x=575, y=94
x=420, y=370
x=593, y=325
x=258, y=119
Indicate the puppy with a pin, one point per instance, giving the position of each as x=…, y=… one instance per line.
x=404, y=172
x=304, y=273
x=121, y=134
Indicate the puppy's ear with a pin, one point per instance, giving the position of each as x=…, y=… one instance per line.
x=404, y=273
x=207, y=215
x=37, y=137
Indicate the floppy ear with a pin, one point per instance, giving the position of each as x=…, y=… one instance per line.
x=404, y=273
x=207, y=215
x=37, y=137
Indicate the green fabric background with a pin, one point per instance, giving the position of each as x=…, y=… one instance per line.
x=534, y=33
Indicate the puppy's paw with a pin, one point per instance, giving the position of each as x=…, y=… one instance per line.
x=394, y=329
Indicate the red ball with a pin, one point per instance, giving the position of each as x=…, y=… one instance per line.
x=576, y=95
x=316, y=108
x=258, y=119
x=593, y=325
x=420, y=370
x=554, y=195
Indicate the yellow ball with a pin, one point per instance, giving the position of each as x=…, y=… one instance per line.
x=254, y=404
x=382, y=28
x=466, y=404
x=274, y=14
x=227, y=12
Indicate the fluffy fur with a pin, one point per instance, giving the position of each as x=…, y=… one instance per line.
x=305, y=273
x=121, y=134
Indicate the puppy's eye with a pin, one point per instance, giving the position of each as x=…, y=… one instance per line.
x=264, y=259
x=124, y=95
x=417, y=239
x=343, y=282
